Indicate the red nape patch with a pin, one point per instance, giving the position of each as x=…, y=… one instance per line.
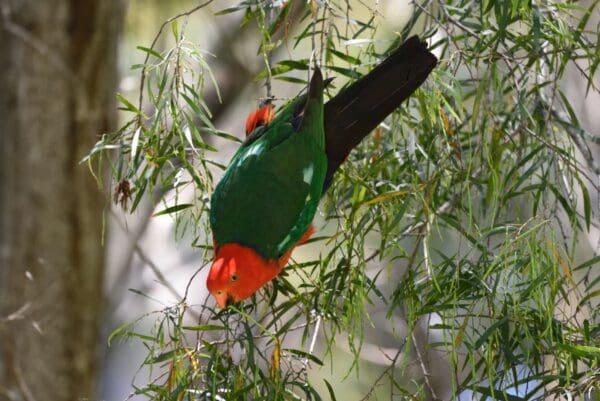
x=259, y=117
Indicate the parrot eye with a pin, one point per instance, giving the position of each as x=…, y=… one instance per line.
x=233, y=278
x=219, y=292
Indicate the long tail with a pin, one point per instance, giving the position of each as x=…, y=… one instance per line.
x=359, y=108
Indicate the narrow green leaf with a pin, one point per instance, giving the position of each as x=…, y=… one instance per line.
x=588, y=263
x=175, y=29
x=346, y=57
x=151, y=52
x=163, y=357
x=346, y=71
x=120, y=331
x=231, y=10
x=291, y=79
x=330, y=390
x=128, y=105
x=583, y=351
x=173, y=209
x=495, y=394
x=304, y=354
x=484, y=337
x=588, y=297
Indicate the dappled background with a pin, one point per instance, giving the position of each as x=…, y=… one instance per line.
x=147, y=255
x=456, y=254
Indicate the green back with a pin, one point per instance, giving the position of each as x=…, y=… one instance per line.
x=270, y=192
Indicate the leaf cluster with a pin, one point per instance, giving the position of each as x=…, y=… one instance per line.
x=462, y=214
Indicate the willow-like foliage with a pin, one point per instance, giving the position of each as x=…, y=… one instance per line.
x=463, y=214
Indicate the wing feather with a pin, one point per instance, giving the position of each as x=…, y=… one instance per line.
x=267, y=198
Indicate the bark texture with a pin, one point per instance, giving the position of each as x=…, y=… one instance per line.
x=57, y=82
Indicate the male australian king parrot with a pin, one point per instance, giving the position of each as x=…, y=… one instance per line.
x=264, y=205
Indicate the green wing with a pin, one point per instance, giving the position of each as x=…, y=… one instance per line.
x=270, y=192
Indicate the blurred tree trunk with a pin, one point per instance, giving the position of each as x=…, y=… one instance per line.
x=58, y=76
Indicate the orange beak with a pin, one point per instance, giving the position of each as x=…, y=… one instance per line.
x=256, y=272
x=221, y=300
x=224, y=300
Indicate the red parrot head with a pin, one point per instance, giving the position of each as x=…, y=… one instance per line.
x=238, y=272
x=262, y=116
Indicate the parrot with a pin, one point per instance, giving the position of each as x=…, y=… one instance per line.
x=263, y=206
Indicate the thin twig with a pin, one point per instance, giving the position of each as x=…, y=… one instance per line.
x=269, y=57
x=22, y=383
x=313, y=340
x=414, y=227
x=160, y=31
x=156, y=270
x=18, y=314
x=426, y=257
x=391, y=366
x=423, y=366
